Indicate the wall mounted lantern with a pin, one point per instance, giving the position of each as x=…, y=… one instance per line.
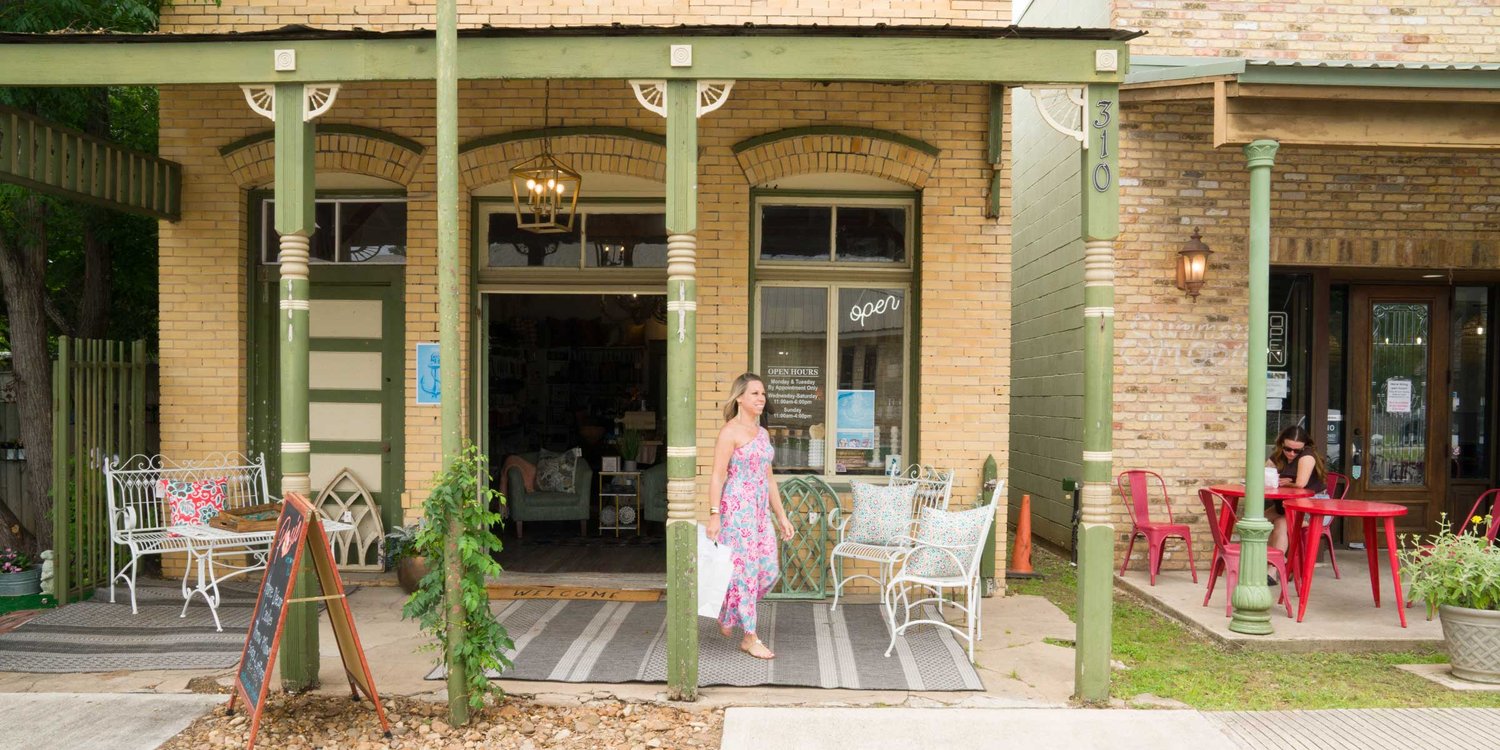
x=1192, y=265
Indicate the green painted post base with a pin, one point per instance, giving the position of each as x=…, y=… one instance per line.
x=682, y=611
x=299, y=634
x=1096, y=581
x=1252, y=598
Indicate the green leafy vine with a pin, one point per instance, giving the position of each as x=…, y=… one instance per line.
x=457, y=490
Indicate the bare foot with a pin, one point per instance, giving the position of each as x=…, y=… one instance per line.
x=726, y=630
x=755, y=648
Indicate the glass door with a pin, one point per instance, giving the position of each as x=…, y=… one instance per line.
x=1398, y=414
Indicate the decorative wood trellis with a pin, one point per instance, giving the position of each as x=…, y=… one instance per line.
x=363, y=547
x=99, y=411
x=804, y=559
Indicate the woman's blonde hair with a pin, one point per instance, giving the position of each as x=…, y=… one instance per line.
x=732, y=406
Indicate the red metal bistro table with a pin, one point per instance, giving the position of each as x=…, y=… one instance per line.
x=1365, y=510
x=1233, y=492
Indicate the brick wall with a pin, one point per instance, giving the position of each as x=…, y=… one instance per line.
x=964, y=277
x=381, y=15
x=1400, y=30
x=1180, y=366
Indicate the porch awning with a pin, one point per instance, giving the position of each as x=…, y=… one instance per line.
x=1010, y=54
x=1318, y=102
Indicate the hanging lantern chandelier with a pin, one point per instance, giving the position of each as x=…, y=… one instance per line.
x=544, y=188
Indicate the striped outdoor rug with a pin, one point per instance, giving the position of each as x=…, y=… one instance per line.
x=585, y=641
x=96, y=636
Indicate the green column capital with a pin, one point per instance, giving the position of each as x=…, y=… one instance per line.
x=1261, y=153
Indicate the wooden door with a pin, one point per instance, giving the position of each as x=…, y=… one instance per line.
x=1398, y=341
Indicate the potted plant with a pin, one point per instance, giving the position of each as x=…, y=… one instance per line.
x=401, y=554
x=19, y=573
x=1458, y=576
x=630, y=448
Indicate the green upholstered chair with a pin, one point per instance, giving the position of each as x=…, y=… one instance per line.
x=549, y=506
x=654, y=493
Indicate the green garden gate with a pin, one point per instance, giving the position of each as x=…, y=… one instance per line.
x=99, y=413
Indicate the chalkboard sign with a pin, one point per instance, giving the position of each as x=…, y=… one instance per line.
x=270, y=608
x=299, y=527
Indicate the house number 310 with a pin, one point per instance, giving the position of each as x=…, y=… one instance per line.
x=1102, y=177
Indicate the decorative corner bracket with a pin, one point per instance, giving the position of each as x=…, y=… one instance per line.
x=1062, y=109
x=652, y=94
x=316, y=99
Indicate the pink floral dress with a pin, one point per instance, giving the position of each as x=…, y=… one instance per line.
x=748, y=528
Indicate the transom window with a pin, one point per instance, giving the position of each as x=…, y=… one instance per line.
x=833, y=330
x=603, y=236
x=349, y=230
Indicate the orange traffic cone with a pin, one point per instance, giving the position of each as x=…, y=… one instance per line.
x=1020, y=553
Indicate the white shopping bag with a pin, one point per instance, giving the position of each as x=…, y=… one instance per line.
x=715, y=566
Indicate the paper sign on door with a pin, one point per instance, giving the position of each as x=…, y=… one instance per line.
x=1397, y=396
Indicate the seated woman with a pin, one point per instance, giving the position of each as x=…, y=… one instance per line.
x=1298, y=464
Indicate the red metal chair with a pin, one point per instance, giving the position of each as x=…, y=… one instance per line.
x=1227, y=555
x=1135, y=490
x=1338, y=487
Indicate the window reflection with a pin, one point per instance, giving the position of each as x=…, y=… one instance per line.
x=1469, y=369
x=793, y=355
x=509, y=245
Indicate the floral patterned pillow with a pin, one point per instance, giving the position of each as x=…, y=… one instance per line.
x=960, y=529
x=193, y=503
x=554, y=471
x=881, y=513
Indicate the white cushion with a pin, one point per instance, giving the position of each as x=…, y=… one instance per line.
x=881, y=513
x=946, y=528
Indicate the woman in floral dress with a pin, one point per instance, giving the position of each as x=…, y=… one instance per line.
x=744, y=495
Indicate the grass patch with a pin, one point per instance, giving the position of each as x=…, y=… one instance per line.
x=1164, y=658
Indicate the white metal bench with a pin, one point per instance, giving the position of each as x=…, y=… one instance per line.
x=934, y=486
x=140, y=521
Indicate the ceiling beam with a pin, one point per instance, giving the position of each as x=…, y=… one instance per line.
x=814, y=57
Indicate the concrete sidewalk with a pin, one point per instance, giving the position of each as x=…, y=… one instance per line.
x=120, y=721
x=1083, y=729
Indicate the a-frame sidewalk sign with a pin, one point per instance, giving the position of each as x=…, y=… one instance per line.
x=294, y=533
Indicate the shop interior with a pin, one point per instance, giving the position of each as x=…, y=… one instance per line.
x=576, y=427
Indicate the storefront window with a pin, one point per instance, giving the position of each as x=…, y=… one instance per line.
x=1338, y=313
x=1469, y=354
x=1288, y=354
x=834, y=351
x=349, y=230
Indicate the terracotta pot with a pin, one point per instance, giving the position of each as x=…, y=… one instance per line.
x=1473, y=637
x=409, y=572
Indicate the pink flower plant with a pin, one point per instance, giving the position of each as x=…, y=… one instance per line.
x=13, y=560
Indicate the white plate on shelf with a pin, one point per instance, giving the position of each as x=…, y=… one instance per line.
x=627, y=516
x=607, y=517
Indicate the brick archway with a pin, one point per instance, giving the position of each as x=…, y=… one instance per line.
x=340, y=148
x=834, y=148
x=599, y=150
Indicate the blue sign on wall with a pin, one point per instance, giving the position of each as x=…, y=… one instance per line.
x=429, y=375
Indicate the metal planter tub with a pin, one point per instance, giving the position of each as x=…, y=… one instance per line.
x=1473, y=637
x=22, y=583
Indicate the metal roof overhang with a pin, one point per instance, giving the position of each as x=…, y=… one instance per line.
x=822, y=53
x=1316, y=102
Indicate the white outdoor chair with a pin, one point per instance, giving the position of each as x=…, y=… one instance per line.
x=903, y=583
x=933, y=488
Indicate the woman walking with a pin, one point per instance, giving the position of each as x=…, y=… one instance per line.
x=744, y=496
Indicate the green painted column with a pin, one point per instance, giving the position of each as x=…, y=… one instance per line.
x=295, y=194
x=451, y=419
x=1252, y=598
x=1096, y=534
x=682, y=396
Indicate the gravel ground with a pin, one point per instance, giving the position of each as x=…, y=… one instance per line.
x=324, y=721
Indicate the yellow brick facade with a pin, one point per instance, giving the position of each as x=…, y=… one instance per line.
x=384, y=15
x=1438, y=31
x=963, y=276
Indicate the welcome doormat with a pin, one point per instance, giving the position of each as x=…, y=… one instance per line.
x=613, y=642
x=582, y=593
